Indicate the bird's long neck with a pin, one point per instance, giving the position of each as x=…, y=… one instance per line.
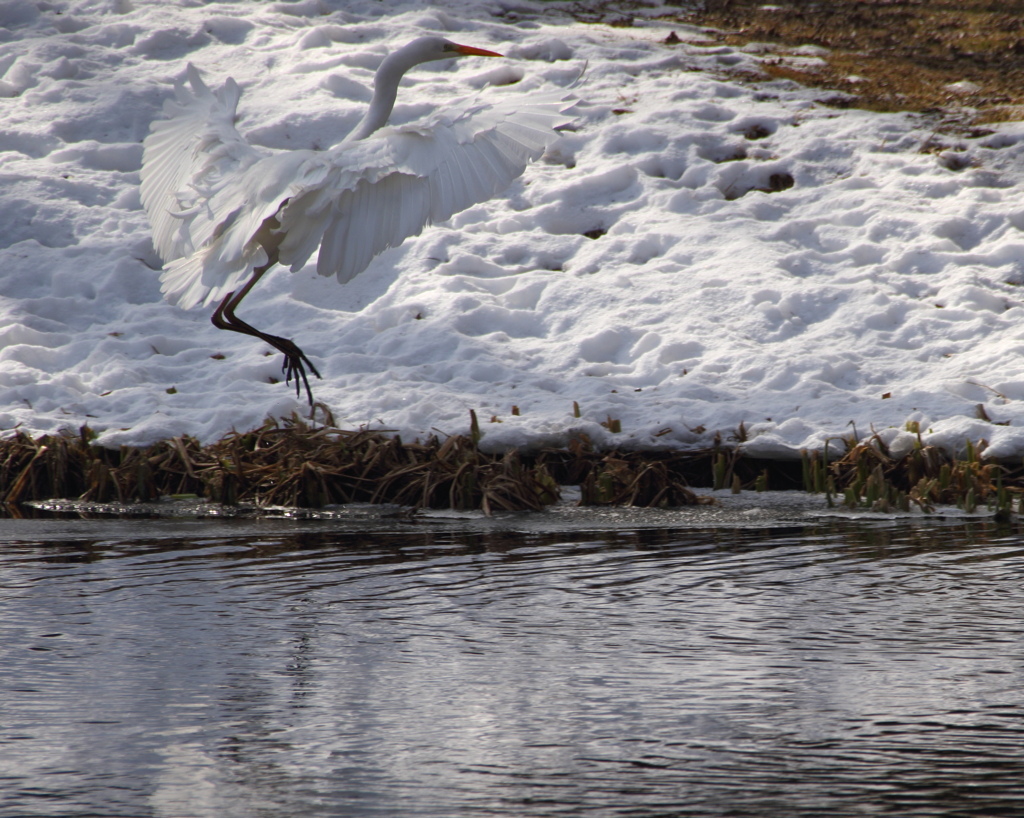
x=385, y=89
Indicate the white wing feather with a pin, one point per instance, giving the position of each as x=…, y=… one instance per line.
x=192, y=148
x=416, y=175
x=207, y=191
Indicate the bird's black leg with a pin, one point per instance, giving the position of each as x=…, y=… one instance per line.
x=295, y=360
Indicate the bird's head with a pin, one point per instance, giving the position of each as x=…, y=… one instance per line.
x=427, y=49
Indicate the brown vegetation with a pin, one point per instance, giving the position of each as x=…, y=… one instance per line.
x=297, y=465
x=868, y=476
x=283, y=464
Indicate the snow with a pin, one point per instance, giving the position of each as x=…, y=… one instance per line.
x=760, y=258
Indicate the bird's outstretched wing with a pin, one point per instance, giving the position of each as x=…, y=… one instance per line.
x=188, y=154
x=380, y=191
x=208, y=192
x=199, y=188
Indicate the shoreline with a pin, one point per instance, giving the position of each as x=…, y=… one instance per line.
x=295, y=465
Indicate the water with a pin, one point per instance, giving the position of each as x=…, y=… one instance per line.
x=456, y=667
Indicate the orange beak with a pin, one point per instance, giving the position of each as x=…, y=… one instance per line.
x=469, y=51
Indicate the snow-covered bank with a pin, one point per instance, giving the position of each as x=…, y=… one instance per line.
x=760, y=258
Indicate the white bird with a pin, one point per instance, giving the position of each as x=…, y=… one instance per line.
x=223, y=212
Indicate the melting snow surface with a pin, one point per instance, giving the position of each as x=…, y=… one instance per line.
x=706, y=247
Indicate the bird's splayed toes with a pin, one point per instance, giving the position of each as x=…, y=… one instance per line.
x=294, y=366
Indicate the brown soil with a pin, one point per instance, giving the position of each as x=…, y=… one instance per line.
x=905, y=52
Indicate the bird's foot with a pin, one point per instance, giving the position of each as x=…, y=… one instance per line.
x=295, y=364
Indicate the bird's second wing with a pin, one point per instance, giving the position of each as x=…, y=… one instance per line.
x=187, y=154
x=384, y=189
x=207, y=192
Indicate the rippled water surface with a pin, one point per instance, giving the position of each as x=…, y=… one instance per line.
x=215, y=669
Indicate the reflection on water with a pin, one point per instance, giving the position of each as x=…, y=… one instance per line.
x=831, y=670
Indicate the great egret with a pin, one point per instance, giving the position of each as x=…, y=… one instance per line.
x=223, y=212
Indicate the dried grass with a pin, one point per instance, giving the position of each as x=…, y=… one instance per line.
x=647, y=479
x=867, y=476
x=281, y=463
x=290, y=463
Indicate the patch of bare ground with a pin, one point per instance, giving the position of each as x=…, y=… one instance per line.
x=926, y=56
x=964, y=59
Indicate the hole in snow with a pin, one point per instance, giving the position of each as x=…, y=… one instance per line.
x=756, y=132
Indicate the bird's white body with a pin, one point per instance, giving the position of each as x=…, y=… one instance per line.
x=209, y=194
